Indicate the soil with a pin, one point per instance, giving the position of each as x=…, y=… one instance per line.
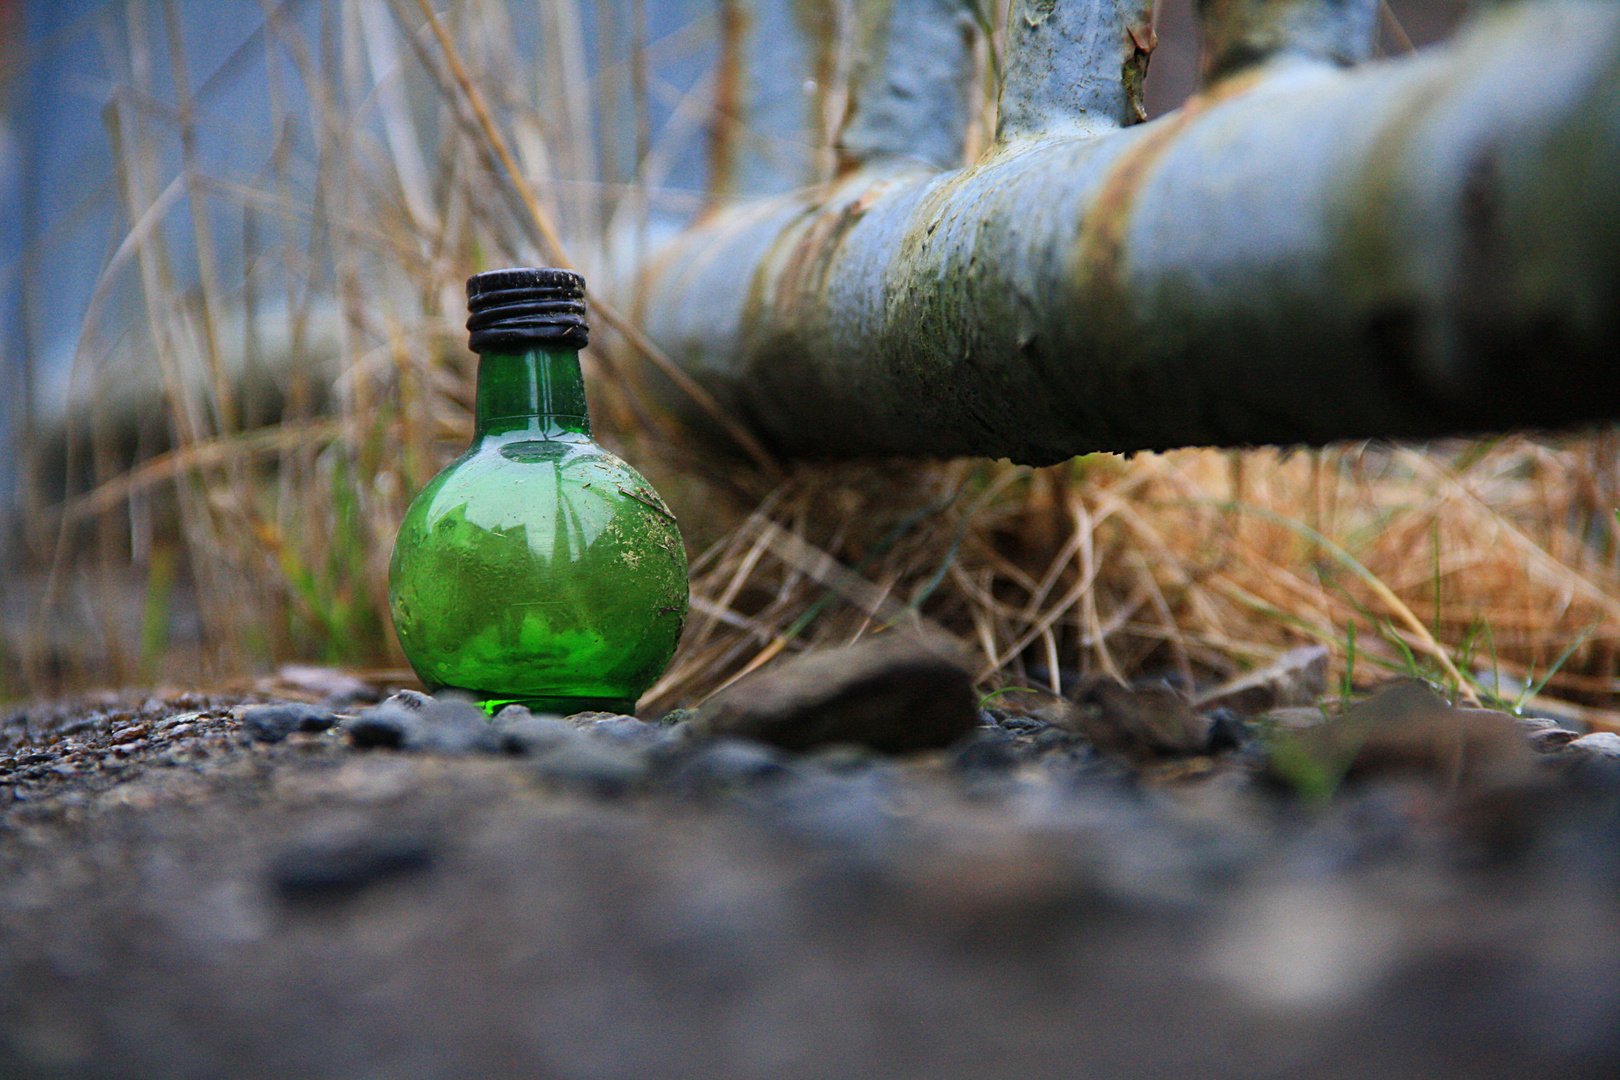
x=191, y=889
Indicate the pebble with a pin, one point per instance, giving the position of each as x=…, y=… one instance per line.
x=1016, y=724
x=168, y=723
x=1143, y=723
x=89, y=723
x=522, y=732
x=1551, y=738
x=988, y=750
x=274, y=722
x=891, y=693
x=383, y=726
x=511, y=714
x=1598, y=746
x=452, y=727
x=626, y=729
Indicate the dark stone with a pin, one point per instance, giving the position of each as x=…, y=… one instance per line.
x=991, y=750
x=892, y=694
x=530, y=734
x=1227, y=730
x=383, y=726
x=723, y=764
x=452, y=726
x=593, y=716
x=626, y=729
x=414, y=700
x=1143, y=723
x=1407, y=730
x=1022, y=724
x=325, y=873
x=511, y=714
x=1600, y=745
x=274, y=722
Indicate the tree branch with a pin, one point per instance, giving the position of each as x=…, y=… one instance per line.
x=1302, y=253
x=913, y=67
x=1074, y=68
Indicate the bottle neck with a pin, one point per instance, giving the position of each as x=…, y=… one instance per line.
x=539, y=390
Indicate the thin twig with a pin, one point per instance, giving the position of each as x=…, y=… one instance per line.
x=557, y=252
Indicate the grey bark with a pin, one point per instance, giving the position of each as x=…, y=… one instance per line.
x=911, y=81
x=1304, y=252
x=1074, y=69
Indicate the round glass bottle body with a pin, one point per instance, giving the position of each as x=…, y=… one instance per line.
x=538, y=568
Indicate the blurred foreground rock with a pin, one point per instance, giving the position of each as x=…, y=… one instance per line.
x=892, y=693
x=598, y=896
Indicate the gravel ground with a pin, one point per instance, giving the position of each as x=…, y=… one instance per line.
x=205, y=886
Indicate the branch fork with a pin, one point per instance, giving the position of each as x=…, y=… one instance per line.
x=1310, y=250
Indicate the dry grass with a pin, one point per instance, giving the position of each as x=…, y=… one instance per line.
x=1465, y=562
x=1476, y=563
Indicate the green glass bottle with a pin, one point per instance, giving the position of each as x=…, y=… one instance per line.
x=537, y=568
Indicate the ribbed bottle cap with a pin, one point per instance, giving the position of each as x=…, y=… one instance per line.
x=516, y=309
